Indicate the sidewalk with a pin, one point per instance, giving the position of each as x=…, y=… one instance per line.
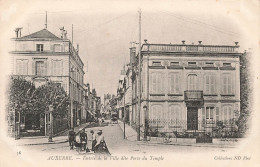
x=42, y=140
x=131, y=135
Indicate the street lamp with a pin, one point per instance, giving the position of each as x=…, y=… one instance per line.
x=145, y=122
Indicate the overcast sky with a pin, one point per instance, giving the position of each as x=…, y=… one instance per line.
x=104, y=30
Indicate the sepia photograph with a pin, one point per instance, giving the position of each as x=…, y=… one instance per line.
x=123, y=83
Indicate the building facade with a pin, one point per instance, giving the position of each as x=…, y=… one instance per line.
x=42, y=56
x=187, y=87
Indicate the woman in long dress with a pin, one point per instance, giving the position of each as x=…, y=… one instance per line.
x=101, y=146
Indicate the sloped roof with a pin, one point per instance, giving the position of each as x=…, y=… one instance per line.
x=44, y=33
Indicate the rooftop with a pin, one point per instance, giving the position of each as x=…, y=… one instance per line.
x=42, y=34
x=147, y=47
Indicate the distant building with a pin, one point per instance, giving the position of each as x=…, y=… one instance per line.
x=42, y=56
x=187, y=87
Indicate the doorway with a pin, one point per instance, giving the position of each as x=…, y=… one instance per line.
x=192, y=118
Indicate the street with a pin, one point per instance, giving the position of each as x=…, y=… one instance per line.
x=117, y=145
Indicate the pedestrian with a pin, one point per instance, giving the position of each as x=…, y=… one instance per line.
x=83, y=138
x=94, y=141
x=78, y=122
x=101, y=146
x=71, y=137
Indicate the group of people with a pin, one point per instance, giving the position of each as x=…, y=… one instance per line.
x=98, y=144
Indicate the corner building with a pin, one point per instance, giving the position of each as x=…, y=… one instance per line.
x=189, y=87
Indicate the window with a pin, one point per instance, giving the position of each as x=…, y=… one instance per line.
x=21, y=67
x=175, y=114
x=157, y=83
x=174, y=83
x=209, y=113
x=192, y=82
x=226, y=64
x=157, y=63
x=40, y=68
x=228, y=114
x=192, y=63
x=57, y=67
x=227, y=87
x=39, y=47
x=57, y=48
x=174, y=63
x=209, y=64
x=157, y=115
x=210, y=84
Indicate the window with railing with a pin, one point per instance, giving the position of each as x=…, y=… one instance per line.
x=228, y=114
x=156, y=115
x=192, y=82
x=175, y=116
x=40, y=68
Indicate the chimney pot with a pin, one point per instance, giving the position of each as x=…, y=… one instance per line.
x=200, y=42
x=236, y=43
x=183, y=42
x=145, y=40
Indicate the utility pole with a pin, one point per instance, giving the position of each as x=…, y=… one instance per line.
x=46, y=20
x=139, y=80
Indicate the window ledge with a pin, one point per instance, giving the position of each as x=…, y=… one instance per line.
x=210, y=95
x=227, y=68
x=210, y=68
x=157, y=94
x=175, y=94
x=193, y=67
x=157, y=67
x=227, y=95
x=174, y=67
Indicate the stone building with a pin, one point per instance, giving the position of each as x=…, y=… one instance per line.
x=187, y=87
x=43, y=56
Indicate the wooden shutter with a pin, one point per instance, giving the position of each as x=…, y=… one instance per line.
x=203, y=115
x=217, y=114
x=33, y=67
x=45, y=68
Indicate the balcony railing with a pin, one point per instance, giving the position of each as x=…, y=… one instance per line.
x=190, y=48
x=193, y=95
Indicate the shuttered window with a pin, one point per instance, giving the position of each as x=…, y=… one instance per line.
x=21, y=67
x=157, y=83
x=40, y=68
x=210, y=84
x=227, y=84
x=174, y=83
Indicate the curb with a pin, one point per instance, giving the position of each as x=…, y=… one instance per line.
x=181, y=144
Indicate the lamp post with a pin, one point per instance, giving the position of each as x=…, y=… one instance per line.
x=145, y=122
x=17, y=125
x=51, y=124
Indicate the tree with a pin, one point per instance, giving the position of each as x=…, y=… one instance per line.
x=245, y=94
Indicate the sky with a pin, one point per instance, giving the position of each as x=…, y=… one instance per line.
x=104, y=29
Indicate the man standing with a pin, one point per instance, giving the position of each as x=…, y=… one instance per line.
x=71, y=137
x=94, y=141
x=83, y=139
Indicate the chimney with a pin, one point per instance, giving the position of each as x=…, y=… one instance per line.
x=145, y=41
x=18, y=32
x=183, y=42
x=199, y=42
x=65, y=34
x=62, y=32
x=132, y=53
x=236, y=43
x=78, y=48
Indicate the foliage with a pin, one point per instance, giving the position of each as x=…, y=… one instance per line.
x=32, y=101
x=246, y=94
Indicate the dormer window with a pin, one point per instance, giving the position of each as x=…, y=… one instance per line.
x=192, y=63
x=39, y=47
x=226, y=64
x=174, y=64
x=157, y=63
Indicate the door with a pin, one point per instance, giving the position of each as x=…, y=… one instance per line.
x=192, y=118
